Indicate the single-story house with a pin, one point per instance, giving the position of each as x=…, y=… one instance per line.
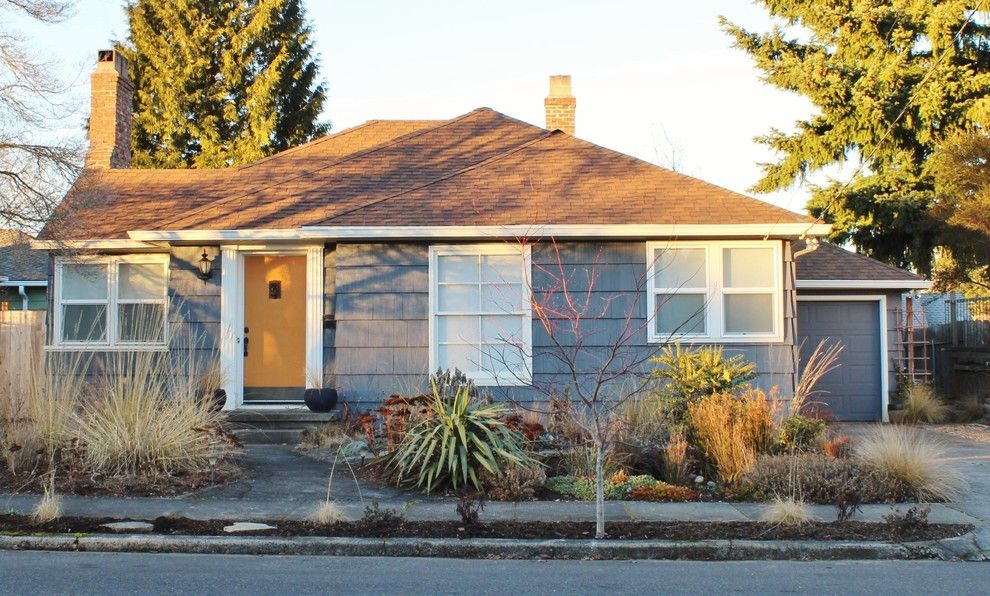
x=374, y=255
x=23, y=273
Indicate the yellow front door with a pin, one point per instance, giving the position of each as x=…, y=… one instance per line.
x=275, y=328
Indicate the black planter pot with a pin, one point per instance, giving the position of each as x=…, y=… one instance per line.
x=321, y=400
x=219, y=399
x=215, y=400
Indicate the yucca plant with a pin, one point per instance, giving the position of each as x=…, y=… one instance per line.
x=456, y=441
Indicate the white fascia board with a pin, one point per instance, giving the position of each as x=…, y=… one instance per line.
x=106, y=244
x=862, y=284
x=794, y=230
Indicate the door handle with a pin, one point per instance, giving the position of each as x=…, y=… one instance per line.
x=246, y=341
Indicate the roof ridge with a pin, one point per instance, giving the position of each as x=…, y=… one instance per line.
x=339, y=161
x=545, y=135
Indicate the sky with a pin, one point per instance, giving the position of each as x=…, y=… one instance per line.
x=658, y=80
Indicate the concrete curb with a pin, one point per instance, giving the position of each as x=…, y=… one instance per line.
x=480, y=548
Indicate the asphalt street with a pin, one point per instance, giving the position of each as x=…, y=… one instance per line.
x=108, y=573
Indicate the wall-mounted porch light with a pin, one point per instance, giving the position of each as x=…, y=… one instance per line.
x=205, y=266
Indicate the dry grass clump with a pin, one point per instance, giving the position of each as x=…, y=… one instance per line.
x=332, y=435
x=818, y=478
x=922, y=405
x=914, y=459
x=146, y=420
x=786, y=511
x=35, y=420
x=822, y=360
x=757, y=412
x=970, y=409
x=48, y=509
x=516, y=483
x=731, y=430
x=675, y=459
x=327, y=512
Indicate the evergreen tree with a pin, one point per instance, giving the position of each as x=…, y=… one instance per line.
x=221, y=82
x=962, y=180
x=862, y=63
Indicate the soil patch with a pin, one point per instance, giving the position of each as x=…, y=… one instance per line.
x=643, y=530
x=83, y=483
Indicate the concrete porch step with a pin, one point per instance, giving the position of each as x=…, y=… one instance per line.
x=282, y=426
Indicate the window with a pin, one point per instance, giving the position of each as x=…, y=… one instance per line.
x=111, y=301
x=724, y=291
x=479, y=302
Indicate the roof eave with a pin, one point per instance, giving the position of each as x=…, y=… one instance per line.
x=344, y=233
x=863, y=284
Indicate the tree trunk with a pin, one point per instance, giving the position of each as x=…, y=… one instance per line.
x=599, y=489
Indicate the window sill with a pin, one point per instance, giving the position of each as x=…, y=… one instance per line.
x=105, y=348
x=706, y=339
x=487, y=381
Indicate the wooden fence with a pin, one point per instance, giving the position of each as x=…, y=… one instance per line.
x=22, y=344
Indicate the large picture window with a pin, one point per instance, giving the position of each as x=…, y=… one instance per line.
x=480, y=312
x=111, y=301
x=721, y=291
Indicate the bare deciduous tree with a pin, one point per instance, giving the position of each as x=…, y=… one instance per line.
x=37, y=166
x=599, y=365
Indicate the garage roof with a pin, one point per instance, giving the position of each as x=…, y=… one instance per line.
x=833, y=267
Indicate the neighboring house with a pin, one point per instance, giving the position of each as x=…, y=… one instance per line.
x=23, y=273
x=379, y=253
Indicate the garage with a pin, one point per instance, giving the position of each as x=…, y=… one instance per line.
x=854, y=391
x=851, y=298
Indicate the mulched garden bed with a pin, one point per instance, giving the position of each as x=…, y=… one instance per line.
x=642, y=530
x=68, y=483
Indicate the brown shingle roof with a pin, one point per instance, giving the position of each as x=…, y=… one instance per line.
x=482, y=168
x=833, y=263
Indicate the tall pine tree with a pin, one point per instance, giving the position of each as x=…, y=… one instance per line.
x=861, y=63
x=221, y=82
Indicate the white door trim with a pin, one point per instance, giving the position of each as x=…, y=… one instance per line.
x=881, y=301
x=232, y=315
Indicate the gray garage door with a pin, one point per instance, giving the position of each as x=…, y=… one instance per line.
x=853, y=391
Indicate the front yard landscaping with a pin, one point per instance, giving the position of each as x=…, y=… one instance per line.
x=701, y=433
x=128, y=423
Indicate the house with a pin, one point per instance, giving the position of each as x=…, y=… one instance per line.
x=376, y=254
x=23, y=273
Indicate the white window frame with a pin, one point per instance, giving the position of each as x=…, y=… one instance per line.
x=716, y=293
x=112, y=302
x=486, y=378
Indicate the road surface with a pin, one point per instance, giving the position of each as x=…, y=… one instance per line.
x=109, y=573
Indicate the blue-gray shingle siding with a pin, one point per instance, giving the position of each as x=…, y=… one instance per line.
x=379, y=298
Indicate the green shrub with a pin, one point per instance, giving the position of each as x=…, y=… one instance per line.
x=817, y=478
x=688, y=374
x=456, y=440
x=583, y=488
x=798, y=433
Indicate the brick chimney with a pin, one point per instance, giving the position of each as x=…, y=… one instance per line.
x=110, y=113
x=560, y=104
